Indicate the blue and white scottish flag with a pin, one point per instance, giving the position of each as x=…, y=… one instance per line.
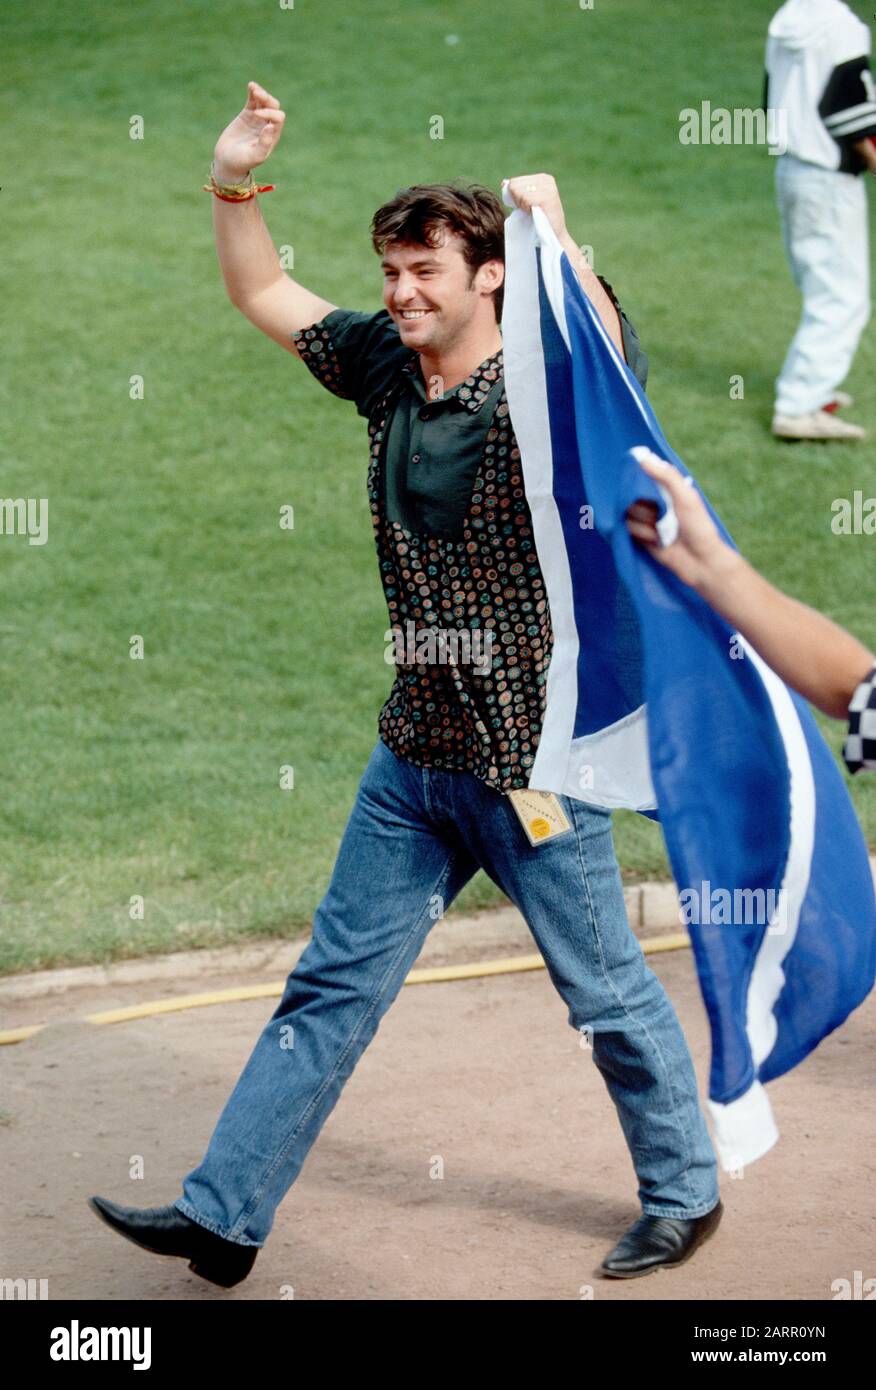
x=653, y=703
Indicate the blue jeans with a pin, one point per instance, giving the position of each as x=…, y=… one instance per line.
x=414, y=839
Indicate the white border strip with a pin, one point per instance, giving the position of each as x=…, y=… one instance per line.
x=745, y=1128
x=526, y=389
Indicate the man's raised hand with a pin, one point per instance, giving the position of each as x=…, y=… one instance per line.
x=539, y=191
x=249, y=139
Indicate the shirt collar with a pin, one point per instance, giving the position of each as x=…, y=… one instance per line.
x=473, y=391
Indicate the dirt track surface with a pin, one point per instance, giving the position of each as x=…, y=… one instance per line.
x=487, y=1074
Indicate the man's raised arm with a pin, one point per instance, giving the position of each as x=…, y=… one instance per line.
x=540, y=190
x=257, y=284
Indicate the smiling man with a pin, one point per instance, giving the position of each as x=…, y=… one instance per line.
x=456, y=739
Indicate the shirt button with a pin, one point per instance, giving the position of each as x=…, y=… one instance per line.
x=416, y=458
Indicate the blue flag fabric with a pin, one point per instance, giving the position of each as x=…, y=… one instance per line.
x=655, y=704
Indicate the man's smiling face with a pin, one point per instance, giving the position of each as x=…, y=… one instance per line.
x=430, y=292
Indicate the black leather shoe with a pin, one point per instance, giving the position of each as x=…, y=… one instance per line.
x=659, y=1242
x=165, y=1231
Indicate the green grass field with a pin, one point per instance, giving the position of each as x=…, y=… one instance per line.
x=264, y=647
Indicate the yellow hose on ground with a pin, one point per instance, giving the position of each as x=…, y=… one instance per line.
x=507, y=965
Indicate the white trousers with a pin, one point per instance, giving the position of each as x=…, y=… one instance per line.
x=824, y=225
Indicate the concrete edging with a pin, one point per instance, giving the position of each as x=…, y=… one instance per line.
x=651, y=907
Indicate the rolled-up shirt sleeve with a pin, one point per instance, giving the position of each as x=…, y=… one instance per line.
x=354, y=355
x=637, y=359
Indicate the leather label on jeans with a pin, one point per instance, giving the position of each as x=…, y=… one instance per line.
x=540, y=814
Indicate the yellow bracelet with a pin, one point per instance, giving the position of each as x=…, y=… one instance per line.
x=235, y=192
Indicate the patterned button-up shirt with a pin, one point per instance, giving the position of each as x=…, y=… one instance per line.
x=467, y=602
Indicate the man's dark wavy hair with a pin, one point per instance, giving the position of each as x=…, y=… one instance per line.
x=417, y=214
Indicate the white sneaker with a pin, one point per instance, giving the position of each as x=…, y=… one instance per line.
x=818, y=424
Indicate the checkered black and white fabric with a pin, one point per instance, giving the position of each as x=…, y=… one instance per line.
x=860, y=746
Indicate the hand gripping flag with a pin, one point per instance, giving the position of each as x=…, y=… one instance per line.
x=655, y=704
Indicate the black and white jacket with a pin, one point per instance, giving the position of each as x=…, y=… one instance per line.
x=819, y=83
x=859, y=750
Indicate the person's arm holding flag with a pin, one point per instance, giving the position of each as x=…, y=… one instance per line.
x=826, y=664
x=540, y=190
